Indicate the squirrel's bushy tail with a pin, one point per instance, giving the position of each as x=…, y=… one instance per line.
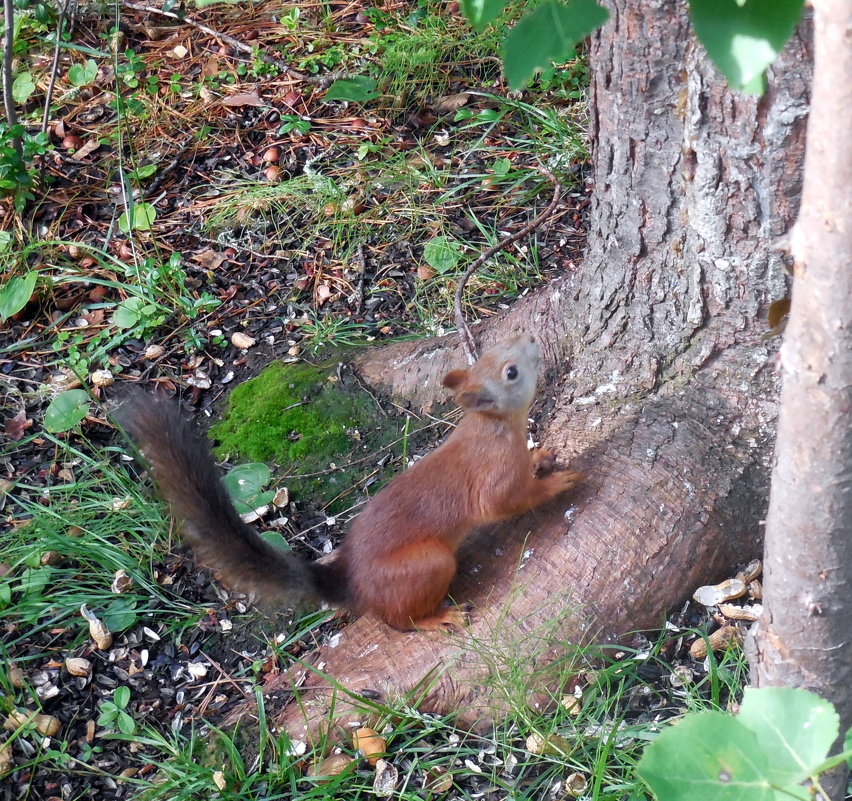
x=188, y=478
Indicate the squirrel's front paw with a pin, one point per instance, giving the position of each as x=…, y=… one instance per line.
x=543, y=462
x=569, y=479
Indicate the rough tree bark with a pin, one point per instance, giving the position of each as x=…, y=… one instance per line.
x=659, y=383
x=805, y=635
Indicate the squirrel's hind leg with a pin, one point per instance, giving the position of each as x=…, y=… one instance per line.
x=408, y=585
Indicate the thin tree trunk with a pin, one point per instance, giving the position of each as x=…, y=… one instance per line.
x=804, y=638
x=659, y=383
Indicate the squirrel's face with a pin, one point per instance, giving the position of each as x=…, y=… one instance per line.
x=502, y=382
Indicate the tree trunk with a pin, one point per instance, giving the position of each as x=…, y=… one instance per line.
x=659, y=385
x=805, y=634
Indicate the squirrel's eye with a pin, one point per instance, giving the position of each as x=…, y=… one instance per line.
x=511, y=372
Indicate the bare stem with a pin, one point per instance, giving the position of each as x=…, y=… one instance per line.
x=468, y=343
x=8, y=45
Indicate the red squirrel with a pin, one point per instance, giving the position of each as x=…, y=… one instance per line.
x=399, y=556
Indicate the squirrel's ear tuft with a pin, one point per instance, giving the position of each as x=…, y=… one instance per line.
x=477, y=399
x=454, y=379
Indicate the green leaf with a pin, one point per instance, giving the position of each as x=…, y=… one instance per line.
x=275, y=540
x=22, y=87
x=126, y=724
x=83, y=74
x=847, y=746
x=794, y=728
x=743, y=37
x=66, y=410
x=34, y=580
x=480, y=12
x=121, y=696
x=16, y=293
x=146, y=171
x=5, y=242
x=548, y=34
x=142, y=218
x=708, y=756
x=501, y=167
x=120, y=615
x=128, y=313
x=245, y=485
x=359, y=89
x=442, y=254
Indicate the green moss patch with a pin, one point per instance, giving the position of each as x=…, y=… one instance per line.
x=305, y=419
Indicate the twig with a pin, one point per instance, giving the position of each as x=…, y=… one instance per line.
x=468, y=343
x=246, y=48
x=8, y=47
x=54, y=67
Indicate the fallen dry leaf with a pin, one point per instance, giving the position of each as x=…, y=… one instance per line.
x=211, y=67
x=14, y=427
x=209, y=259
x=452, y=102
x=243, y=99
x=86, y=150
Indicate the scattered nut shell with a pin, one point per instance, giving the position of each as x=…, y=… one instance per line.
x=77, y=666
x=437, y=780
x=551, y=744
x=330, y=766
x=272, y=155
x=681, y=676
x=153, y=352
x=712, y=595
x=102, y=378
x=121, y=582
x=751, y=571
x=241, y=340
x=386, y=779
x=45, y=724
x=572, y=703
x=72, y=142
x=219, y=779
x=755, y=590
x=97, y=629
x=721, y=639
x=52, y=558
x=576, y=784
x=6, y=762
x=16, y=677
x=370, y=743
x=734, y=612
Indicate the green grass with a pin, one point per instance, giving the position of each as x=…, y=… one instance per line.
x=529, y=756
x=72, y=539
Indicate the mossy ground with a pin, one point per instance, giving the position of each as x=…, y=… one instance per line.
x=311, y=421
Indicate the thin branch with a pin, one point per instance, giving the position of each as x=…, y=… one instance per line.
x=8, y=46
x=54, y=67
x=236, y=43
x=468, y=343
